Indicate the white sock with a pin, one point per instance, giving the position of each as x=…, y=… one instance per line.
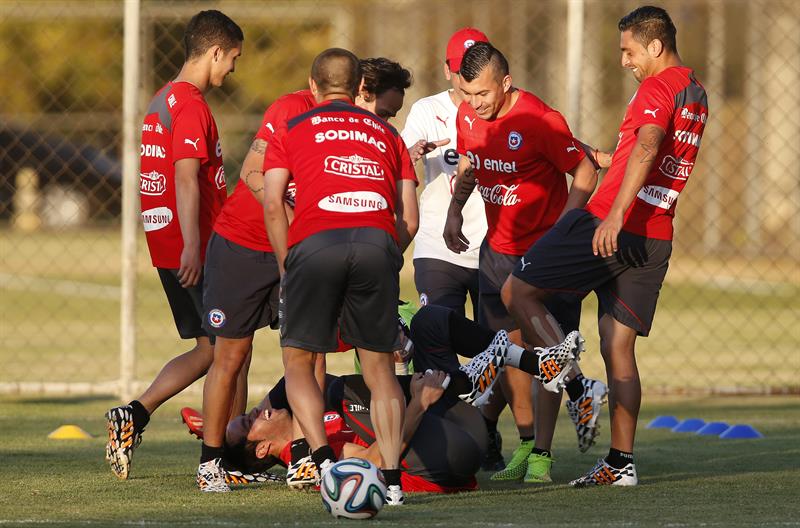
x=514, y=355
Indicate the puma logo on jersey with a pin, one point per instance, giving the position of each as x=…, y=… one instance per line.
x=572, y=148
x=523, y=263
x=188, y=141
x=443, y=121
x=469, y=121
x=652, y=112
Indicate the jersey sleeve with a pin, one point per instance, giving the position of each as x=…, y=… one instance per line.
x=557, y=144
x=191, y=132
x=460, y=148
x=407, y=171
x=278, y=113
x=276, y=156
x=415, y=126
x=654, y=104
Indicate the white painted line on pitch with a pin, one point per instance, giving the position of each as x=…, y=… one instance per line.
x=68, y=288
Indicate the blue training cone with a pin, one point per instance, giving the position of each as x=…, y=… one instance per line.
x=713, y=429
x=740, y=431
x=690, y=425
x=663, y=422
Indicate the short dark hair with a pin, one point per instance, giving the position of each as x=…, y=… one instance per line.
x=648, y=23
x=210, y=28
x=381, y=74
x=480, y=55
x=337, y=70
x=243, y=457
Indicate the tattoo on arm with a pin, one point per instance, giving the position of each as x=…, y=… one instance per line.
x=650, y=141
x=464, y=187
x=259, y=146
x=247, y=178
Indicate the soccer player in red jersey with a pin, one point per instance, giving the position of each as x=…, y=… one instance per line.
x=355, y=213
x=516, y=150
x=619, y=245
x=242, y=280
x=182, y=191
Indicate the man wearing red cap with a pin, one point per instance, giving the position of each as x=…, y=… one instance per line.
x=441, y=276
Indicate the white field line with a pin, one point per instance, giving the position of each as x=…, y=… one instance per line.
x=67, y=288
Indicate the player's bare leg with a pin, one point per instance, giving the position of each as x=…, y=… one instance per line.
x=302, y=472
x=493, y=461
x=177, y=374
x=239, y=405
x=387, y=411
x=617, y=346
x=304, y=394
x=517, y=389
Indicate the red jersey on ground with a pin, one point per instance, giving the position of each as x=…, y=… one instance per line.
x=519, y=160
x=676, y=102
x=346, y=163
x=339, y=434
x=242, y=218
x=178, y=125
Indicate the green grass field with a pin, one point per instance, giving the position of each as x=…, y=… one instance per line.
x=720, y=325
x=686, y=480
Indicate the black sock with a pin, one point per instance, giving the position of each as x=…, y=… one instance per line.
x=529, y=363
x=618, y=459
x=322, y=454
x=542, y=452
x=467, y=337
x=140, y=416
x=459, y=384
x=392, y=476
x=210, y=453
x=299, y=449
x=575, y=388
x=491, y=425
x=526, y=438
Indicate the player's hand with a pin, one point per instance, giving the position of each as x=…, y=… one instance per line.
x=422, y=147
x=427, y=388
x=454, y=238
x=604, y=241
x=603, y=158
x=190, y=270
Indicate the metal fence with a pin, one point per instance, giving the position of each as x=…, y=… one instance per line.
x=729, y=312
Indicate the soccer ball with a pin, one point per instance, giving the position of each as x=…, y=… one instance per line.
x=353, y=488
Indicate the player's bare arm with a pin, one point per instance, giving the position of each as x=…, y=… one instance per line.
x=584, y=181
x=407, y=213
x=187, y=197
x=422, y=147
x=465, y=182
x=648, y=141
x=600, y=159
x=275, y=219
x=251, y=173
x=426, y=389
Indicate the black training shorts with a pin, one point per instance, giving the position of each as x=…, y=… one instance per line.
x=443, y=283
x=494, y=269
x=627, y=283
x=240, y=291
x=186, y=304
x=350, y=275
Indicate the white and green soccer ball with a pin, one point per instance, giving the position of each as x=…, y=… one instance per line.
x=353, y=488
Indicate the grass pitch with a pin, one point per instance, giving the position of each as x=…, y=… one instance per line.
x=686, y=480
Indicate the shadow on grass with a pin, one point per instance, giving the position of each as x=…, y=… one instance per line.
x=66, y=400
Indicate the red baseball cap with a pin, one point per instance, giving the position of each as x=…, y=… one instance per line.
x=458, y=44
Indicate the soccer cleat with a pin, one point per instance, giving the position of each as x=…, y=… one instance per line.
x=538, y=469
x=604, y=475
x=394, y=495
x=236, y=477
x=302, y=474
x=211, y=477
x=518, y=465
x=321, y=470
x=484, y=369
x=493, y=461
x=194, y=421
x=123, y=439
x=555, y=362
x=585, y=410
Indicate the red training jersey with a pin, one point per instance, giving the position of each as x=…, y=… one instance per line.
x=520, y=161
x=346, y=163
x=242, y=218
x=178, y=125
x=676, y=102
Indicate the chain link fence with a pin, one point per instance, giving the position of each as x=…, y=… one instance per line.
x=729, y=311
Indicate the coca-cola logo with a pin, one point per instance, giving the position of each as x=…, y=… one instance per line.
x=219, y=177
x=152, y=183
x=504, y=195
x=676, y=168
